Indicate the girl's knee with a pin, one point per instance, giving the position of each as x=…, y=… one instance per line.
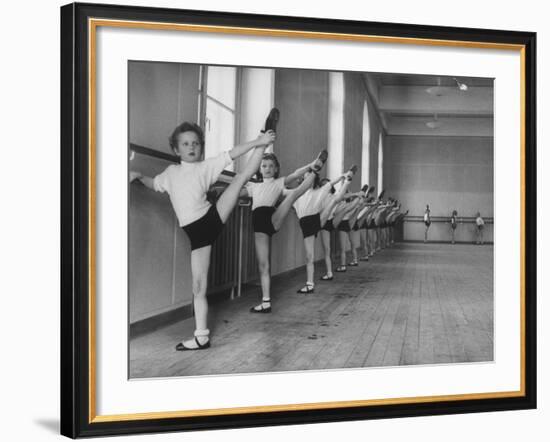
x=263, y=267
x=199, y=286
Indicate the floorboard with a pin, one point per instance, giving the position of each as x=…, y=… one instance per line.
x=410, y=304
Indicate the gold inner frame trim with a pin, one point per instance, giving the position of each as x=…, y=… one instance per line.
x=93, y=24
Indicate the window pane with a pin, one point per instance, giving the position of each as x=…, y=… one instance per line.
x=365, y=163
x=221, y=84
x=219, y=130
x=335, y=124
x=380, y=164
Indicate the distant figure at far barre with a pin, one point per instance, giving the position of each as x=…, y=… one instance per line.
x=454, y=223
x=427, y=222
x=480, y=224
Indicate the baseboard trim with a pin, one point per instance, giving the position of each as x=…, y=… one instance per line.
x=148, y=325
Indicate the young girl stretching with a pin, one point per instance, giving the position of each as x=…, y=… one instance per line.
x=266, y=219
x=328, y=210
x=187, y=184
x=342, y=223
x=454, y=224
x=427, y=222
x=312, y=216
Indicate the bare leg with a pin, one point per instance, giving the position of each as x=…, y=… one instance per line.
x=261, y=241
x=282, y=211
x=325, y=240
x=426, y=234
x=363, y=238
x=342, y=236
x=228, y=199
x=370, y=238
x=309, y=244
x=354, y=242
x=325, y=213
x=200, y=261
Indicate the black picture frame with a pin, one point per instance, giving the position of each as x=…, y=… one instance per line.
x=76, y=249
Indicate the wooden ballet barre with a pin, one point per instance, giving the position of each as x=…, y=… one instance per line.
x=447, y=219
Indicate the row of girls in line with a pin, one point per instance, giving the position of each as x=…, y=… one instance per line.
x=317, y=205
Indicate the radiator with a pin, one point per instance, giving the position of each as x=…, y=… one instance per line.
x=225, y=268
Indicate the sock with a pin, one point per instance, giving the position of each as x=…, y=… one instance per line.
x=201, y=335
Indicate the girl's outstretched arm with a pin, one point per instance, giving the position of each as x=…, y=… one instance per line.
x=298, y=173
x=264, y=139
x=146, y=180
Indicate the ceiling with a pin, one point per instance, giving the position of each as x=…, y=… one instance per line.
x=406, y=103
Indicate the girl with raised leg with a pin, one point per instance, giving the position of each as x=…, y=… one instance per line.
x=187, y=185
x=268, y=219
x=327, y=216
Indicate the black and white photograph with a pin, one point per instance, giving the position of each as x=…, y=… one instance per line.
x=285, y=219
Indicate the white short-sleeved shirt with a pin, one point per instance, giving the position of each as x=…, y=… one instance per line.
x=187, y=184
x=311, y=202
x=265, y=193
x=328, y=201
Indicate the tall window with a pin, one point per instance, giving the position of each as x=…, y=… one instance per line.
x=365, y=152
x=256, y=100
x=219, y=122
x=335, y=124
x=380, y=163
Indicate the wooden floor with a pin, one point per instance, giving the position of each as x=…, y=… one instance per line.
x=411, y=304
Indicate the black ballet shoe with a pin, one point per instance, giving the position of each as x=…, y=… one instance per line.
x=262, y=309
x=306, y=289
x=365, y=188
x=341, y=269
x=326, y=278
x=322, y=157
x=181, y=347
x=272, y=120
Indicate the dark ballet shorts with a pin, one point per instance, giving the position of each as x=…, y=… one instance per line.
x=204, y=231
x=453, y=226
x=355, y=227
x=364, y=225
x=344, y=226
x=329, y=226
x=261, y=220
x=310, y=225
x=427, y=223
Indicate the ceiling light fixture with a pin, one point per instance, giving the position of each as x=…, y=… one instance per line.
x=435, y=123
x=436, y=91
x=463, y=87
